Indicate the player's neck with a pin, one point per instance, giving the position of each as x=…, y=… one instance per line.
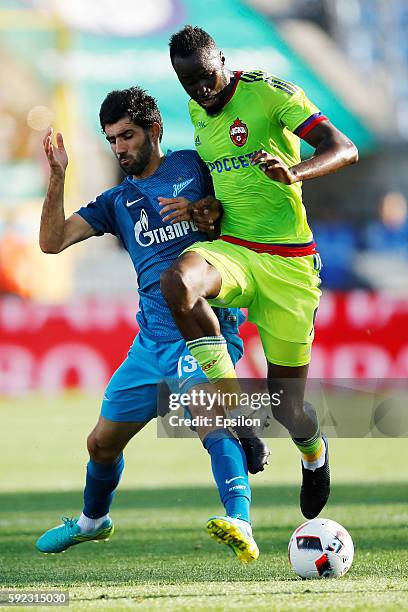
x=154, y=164
x=225, y=94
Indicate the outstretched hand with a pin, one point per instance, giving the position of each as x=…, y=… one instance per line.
x=56, y=155
x=274, y=168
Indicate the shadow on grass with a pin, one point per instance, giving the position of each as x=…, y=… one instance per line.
x=203, y=497
x=158, y=540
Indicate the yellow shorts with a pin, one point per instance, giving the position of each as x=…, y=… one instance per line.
x=281, y=293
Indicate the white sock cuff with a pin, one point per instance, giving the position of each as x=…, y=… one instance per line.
x=89, y=524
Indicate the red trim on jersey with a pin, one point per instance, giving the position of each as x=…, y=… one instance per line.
x=285, y=250
x=235, y=85
x=311, y=125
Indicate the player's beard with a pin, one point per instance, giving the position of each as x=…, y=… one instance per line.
x=140, y=160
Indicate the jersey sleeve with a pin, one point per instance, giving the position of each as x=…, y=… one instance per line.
x=292, y=108
x=100, y=214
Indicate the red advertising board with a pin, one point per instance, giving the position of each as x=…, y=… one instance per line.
x=80, y=344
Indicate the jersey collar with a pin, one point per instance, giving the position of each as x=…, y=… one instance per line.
x=237, y=76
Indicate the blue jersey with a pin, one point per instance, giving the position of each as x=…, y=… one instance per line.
x=131, y=211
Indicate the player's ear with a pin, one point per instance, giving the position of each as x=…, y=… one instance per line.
x=155, y=130
x=222, y=58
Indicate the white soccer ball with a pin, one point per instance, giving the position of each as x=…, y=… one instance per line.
x=320, y=548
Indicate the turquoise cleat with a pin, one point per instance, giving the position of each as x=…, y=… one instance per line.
x=68, y=534
x=237, y=534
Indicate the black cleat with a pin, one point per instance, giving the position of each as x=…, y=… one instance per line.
x=315, y=489
x=256, y=452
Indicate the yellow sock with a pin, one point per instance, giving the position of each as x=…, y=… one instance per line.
x=312, y=450
x=212, y=355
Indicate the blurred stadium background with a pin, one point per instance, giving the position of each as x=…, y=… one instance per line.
x=59, y=59
x=67, y=321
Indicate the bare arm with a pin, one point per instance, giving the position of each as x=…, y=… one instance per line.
x=56, y=232
x=205, y=213
x=333, y=150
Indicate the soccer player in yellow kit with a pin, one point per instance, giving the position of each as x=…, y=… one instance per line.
x=248, y=127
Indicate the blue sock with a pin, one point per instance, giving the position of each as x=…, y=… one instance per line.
x=230, y=471
x=101, y=482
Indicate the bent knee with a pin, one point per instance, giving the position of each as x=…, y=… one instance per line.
x=288, y=413
x=178, y=291
x=100, y=451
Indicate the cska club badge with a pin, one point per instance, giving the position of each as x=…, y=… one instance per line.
x=238, y=133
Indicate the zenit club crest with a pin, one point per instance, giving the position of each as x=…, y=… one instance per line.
x=238, y=133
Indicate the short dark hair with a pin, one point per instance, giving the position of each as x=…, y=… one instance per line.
x=185, y=42
x=136, y=103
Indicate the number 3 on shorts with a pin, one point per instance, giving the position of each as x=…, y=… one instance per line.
x=186, y=365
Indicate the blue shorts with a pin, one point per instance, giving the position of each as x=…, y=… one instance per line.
x=131, y=394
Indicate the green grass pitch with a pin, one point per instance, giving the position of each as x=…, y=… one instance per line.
x=160, y=557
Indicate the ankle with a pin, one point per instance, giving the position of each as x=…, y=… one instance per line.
x=85, y=523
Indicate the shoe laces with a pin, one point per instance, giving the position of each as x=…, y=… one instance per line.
x=68, y=522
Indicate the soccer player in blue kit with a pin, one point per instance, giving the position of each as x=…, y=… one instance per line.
x=133, y=211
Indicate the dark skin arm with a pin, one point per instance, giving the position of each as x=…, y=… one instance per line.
x=205, y=213
x=333, y=150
